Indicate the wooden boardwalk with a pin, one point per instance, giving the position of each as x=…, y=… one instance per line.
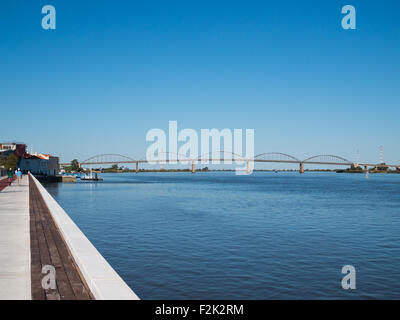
x=48, y=248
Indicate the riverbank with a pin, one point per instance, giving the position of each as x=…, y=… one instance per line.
x=369, y=171
x=37, y=236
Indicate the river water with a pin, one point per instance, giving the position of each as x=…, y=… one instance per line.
x=269, y=235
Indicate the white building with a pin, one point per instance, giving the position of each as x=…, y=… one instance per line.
x=8, y=146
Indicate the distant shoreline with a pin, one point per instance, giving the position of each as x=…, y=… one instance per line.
x=232, y=170
x=372, y=171
x=215, y=170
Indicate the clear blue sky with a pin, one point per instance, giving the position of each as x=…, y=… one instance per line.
x=112, y=70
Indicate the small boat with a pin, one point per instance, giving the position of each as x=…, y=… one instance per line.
x=91, y=177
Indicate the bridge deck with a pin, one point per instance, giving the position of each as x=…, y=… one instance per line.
x=48, y=248
x=222, y=161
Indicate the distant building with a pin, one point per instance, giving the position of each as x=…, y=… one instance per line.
x=40, y=164
x=7, y=148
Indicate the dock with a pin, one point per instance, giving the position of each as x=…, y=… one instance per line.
x=57, y=178
x=36, y=234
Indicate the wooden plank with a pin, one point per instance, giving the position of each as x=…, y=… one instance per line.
x=63, y=284
x=49, y=248
x=36, y=267
x=65, y=264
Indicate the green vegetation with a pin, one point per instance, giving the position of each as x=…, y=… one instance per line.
x=355, y=168
x=74, y=167
x=378, y=169
x=11, y=162
x=381, y=168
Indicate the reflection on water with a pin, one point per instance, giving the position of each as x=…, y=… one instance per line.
x=263, y=236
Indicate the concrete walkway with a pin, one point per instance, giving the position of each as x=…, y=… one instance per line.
x=15, y=264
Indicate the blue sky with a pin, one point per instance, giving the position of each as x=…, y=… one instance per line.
x=112, y=70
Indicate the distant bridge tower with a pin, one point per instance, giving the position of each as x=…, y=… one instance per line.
x=357, y=158
x=380, y=154
x=193, y=167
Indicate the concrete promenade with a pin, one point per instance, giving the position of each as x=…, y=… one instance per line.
x=15, y=262
x=36, y=233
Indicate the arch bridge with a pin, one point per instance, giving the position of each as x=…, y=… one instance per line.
x=225, y=158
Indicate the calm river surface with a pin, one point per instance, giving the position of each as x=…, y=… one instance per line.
x=263, y=236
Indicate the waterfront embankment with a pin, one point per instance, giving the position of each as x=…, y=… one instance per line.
x=38, y=239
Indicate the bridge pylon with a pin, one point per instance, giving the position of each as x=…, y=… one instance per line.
x=137, y=167
x=193, y=167
x=301, y=170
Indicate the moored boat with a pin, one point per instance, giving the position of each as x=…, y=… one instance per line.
x=91, y=177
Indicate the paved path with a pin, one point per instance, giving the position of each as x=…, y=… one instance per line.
x=15, y=264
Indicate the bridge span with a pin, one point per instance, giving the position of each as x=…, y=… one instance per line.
x=228, y=158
